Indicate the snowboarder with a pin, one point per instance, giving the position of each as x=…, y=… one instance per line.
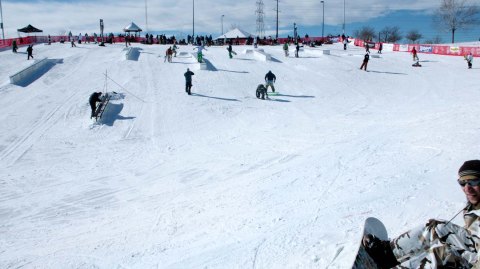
x=270, y=80
x=200, y=49
x=414, y=54
x=174, y=49
x=345, y=42
x=367, y=47
x=188, y=81
x=297, y=49
x=168, y=54
x=73, y=43
x=94, y=98
x=49, y=40
x=469, y=59
x=380, y=47
x=416, y=64
x=438, y=243
x=29, y=52
x=365, y=61
x=229, y=48
x=14, y=46
x=285, y=48
x=261, y=91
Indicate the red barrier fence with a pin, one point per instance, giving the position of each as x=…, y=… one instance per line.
x=427, y=48
x=421, y=48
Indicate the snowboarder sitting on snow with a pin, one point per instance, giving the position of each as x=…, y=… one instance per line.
x=261, y=91
x=94, y=98
x=438, y=243
x=188, y=81
x=270, y=80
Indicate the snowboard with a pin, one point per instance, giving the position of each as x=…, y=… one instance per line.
x=362, y=259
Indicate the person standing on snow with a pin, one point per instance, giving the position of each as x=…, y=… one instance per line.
x=414, y=54
x=297, y=49
x=285, y=48
x=365, y=61
x=29, y=52
x=469, y=59
x=270, y=79
x=229, y=48
x=188, y=81
x=438, y=243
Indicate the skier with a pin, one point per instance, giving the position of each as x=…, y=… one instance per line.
x=188, y=81
x=285, y=48
x=438, y=243
x=270, y=80
x=414, y=54
x=29, y=52
x=365, y=61
x=94, y=98
x=200, y=49
x=469, y=59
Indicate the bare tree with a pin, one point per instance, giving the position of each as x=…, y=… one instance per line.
x=390, y=34
x=436, y=40
x=456, y=14
x=413, y=36
x=364, y=33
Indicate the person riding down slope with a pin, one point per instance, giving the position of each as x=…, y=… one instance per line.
x=270, y=79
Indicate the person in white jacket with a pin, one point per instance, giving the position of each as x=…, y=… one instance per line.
x=438, y=243
x=469, y=59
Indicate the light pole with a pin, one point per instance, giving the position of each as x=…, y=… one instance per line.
x=222, y=23
x=146, y=17
x=343, y=16
x=193, y=23
x=1, y=22
x=323, y=16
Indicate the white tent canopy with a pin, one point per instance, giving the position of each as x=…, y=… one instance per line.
x=235, y=33
x=132, y=27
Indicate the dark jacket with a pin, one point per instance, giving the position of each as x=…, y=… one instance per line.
x=270, y=76
x=30, y=49
x=366, y=58
x=95, y=97
x=188, y=76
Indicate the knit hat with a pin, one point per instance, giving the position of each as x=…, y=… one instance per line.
x=470, y=170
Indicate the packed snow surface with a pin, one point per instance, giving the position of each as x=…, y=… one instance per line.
x=221, y=179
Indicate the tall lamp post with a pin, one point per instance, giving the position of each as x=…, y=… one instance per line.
x=193, y=23
x=222, y=23
x=343, y=16
x=323, y=16
x=1, y=22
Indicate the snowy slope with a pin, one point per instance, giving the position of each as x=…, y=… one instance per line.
x=221, y=179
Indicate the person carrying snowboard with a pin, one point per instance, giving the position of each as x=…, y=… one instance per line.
x=229, y=48
x=270, y=80
x=365, y=61
x=285, y=48
x=438, y=243
x=188, y=81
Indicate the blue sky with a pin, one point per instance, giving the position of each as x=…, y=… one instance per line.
x=175, y=16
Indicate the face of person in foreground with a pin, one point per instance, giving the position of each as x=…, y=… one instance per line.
x=471, y=191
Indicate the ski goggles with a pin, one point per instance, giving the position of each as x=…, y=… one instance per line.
x=471, y=182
